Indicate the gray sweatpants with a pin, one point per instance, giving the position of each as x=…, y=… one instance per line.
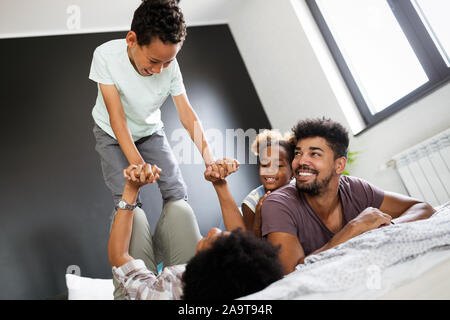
x=155, y=149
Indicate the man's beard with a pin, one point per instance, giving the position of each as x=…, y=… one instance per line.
x=316, y=187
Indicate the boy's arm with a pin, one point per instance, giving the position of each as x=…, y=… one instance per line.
x=119, y=125
x=192, y=124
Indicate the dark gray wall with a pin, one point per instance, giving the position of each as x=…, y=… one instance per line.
x=55, y=206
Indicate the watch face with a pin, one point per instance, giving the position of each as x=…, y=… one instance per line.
x=122, y=204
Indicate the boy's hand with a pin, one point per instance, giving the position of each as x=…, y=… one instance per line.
x=142, y=174
x=220, y=169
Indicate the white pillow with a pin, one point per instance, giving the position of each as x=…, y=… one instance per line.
x=83, y=288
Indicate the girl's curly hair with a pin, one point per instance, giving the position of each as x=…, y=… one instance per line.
x=159, y=18
x=268, y=138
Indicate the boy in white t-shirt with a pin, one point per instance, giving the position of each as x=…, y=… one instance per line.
x=135, y=76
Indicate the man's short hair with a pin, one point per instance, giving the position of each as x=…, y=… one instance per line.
x=332, y=131
x=159, y=18
x=236, y=265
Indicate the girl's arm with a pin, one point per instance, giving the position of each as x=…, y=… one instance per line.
x=249, y=217
x=232, y=218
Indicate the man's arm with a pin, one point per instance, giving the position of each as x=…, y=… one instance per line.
x=192, y=124
x=291, y=251
x=119, y=125
x=395, y=207
x=369, y=219
x=405, y=209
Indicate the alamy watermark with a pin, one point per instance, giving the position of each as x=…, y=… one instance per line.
x=373, y=277
x=231, y=143
x=73, y=21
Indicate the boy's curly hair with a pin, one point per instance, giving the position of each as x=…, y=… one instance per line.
x=236, y=265
x=159, y=18
x=332, y=131
x=268, y=138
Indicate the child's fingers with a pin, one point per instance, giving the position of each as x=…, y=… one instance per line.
x=229, y=166
x=222, y=172
x=263, y=198
x=156, y=170
x=207, y=173
x=147, y=169
x=142, y=176
x=154, y=174
x=127, y=171
x=215, y=171
x=136, y=173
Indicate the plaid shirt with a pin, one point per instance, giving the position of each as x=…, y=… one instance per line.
x=141, y=284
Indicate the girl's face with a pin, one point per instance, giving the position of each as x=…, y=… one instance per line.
x=274, y=168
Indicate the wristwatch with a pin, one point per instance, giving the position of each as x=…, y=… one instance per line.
x=126, y=206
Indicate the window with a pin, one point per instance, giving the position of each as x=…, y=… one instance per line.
x=390, y=52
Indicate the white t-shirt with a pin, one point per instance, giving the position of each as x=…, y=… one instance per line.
x=141, y=96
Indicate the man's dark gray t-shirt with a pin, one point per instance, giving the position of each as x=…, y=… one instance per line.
x=286, y=210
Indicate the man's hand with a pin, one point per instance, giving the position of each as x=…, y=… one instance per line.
x=220, y=169
x=257, y=223
x=139, y=175
x=369, y=219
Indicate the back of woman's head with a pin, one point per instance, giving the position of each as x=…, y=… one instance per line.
x=236, y=265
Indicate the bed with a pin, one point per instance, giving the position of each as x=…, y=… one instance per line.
x=404, y=261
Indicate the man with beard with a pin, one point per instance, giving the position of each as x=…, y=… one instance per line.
x=323, y=208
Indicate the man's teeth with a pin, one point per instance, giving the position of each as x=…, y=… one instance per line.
x=270, y=179
x=305, y=174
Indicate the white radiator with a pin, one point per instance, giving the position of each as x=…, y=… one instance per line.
x=425, y=169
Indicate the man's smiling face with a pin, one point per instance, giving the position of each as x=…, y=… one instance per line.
x=313, y=165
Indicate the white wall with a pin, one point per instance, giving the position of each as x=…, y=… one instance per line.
x=25, y=18
x=295, y=78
